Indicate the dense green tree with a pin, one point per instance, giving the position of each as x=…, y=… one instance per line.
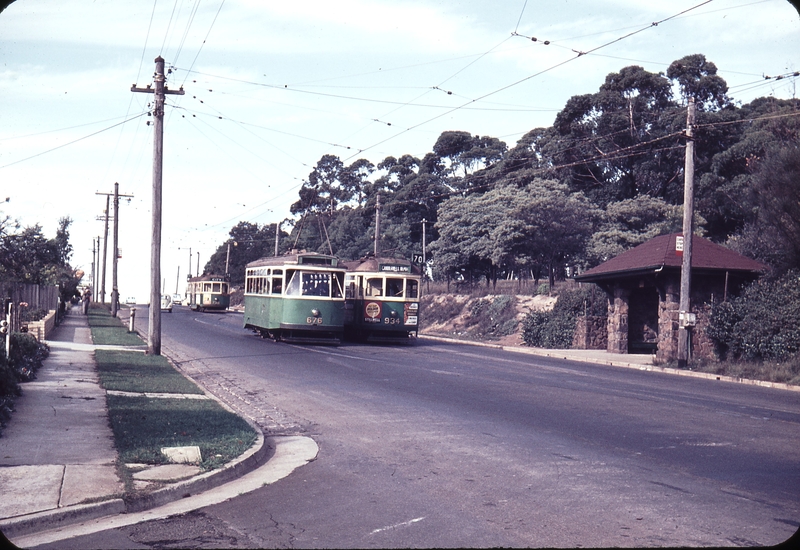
x=542, y=223
x=462, y=154
x=727, y=195
x=773, y=236
x=629, y=223
x=27, y=256
x=697, y=78
x=609, y=143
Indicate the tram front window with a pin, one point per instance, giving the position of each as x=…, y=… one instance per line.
x=316, y=284
x=394, y=287
x=375, y=287
x=412, y=288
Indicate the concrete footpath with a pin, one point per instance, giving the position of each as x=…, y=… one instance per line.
x=58, y=463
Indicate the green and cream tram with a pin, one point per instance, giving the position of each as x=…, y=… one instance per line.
x=382, y=299
x=208, y=293
x=295, y=298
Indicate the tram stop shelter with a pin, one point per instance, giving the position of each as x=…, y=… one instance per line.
x=643, y=288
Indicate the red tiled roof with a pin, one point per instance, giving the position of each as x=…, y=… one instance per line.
x=660, y=252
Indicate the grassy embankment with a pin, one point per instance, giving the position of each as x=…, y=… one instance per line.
x=143, y=425
x=484, y=314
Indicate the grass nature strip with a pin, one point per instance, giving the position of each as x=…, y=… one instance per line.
x=143, y=425
x=108, y=330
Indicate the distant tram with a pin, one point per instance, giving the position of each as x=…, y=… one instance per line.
x=295, y=298
x=382, y=299
x=208, y=293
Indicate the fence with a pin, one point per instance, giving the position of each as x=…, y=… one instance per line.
x=41, y=297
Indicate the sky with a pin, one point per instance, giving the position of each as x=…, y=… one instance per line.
x=272, y=86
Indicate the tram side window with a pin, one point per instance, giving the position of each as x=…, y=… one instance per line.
x=412, y=288
x=293, y=284
x=277, y=281
x=206, y=287
x=249, y=285
x=394, y=287
x=375, y=287
x=338, y=280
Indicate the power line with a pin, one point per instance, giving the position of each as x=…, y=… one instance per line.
x=72, y=142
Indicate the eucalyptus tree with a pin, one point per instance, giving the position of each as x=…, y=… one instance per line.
x=508, y=226
x=629, y=223
x=460, y=154
x=727, y=193
x=611, y=142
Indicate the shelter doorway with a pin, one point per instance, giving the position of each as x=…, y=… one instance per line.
x=643, y=320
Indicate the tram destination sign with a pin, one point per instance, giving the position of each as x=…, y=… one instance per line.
x=395, y=268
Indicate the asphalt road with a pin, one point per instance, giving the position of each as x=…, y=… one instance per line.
x=439, y=445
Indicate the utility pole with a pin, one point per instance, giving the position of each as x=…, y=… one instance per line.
x=684, y=323
x=95, y=284
x=424, y=258
x=94, y=273
x=105, y=251
x=114, y=287
x=228, y=258
x=154, y=328
x=198, y=263
x=277, y=234
x=178, y=279
x=377, y=222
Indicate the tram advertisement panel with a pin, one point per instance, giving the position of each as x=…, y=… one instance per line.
x=372, y=312
x=410, y=313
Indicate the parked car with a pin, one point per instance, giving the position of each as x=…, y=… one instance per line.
x=166, y=303
x=130, y=300
x=177, y=299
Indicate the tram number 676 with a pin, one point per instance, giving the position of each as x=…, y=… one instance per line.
x=314, y=320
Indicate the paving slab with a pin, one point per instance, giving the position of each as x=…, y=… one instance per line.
x=34, y=489
x=88, y=481
x=183, y=455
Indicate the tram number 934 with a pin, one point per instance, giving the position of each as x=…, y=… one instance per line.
x=313, y=320
x=392, y=321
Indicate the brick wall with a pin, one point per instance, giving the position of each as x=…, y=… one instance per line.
x=42, y=328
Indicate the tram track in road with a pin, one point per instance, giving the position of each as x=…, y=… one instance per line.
x=490, y=448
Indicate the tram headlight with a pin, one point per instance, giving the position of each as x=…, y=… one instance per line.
x=315, y=312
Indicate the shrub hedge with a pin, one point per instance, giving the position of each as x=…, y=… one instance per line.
x=763, y=323
x=556, y=328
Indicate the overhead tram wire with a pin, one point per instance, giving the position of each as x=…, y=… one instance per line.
x=146, y=39
x=213, y=22
x=580, y=54
x=221, y=116
x=60, y=129
x=189, y=22
x=355, y=98
x=235, y=143
x=72, y=142
x=169, y=26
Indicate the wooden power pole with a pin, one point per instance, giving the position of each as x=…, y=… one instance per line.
x=685, y=320
x=115, y=248
x=105, y=252
x=159, y=92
